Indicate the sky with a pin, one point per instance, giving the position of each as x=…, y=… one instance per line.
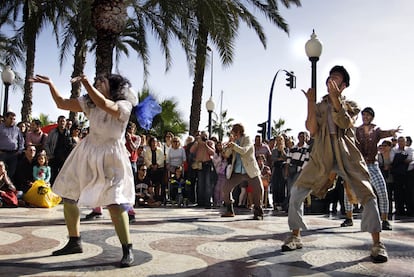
x=373, y=39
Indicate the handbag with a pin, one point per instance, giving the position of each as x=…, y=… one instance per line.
x=41, y=195
x=229, y=171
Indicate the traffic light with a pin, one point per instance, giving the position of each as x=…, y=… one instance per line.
x=262, y=130
x=291, y=79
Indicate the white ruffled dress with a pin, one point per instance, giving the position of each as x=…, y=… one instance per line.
x=98, y=171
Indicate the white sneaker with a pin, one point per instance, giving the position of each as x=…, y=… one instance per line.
x=379, y=253
x=293, y=242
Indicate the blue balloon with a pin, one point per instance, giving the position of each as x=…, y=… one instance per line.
x=146, y=111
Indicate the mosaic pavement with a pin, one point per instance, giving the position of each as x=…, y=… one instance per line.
x=197, y=242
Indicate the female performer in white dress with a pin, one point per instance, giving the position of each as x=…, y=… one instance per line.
x=98, y=171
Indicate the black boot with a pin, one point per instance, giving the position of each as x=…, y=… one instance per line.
x=229, y=212
x=72, y=247
x=128, y=256
x=258, y=213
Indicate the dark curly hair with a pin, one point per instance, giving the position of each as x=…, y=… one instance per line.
x=117, y=83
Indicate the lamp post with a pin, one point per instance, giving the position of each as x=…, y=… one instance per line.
x=292, y=84
x=210, y=108
x=210, y=104
x=221, y=132
x=313, y=49
x=211, y=70
x=8, y=78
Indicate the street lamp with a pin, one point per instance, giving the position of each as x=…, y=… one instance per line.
x=313, y=49
x=210, y=108
x=8, y=78
x=211, y=70
x=210, y=104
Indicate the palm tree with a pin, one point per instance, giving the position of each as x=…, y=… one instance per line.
x=278, y=128
x=35, y=15
x=218, y=21
x=9, y=52
x=116, y=29
x=77, y=33
x=80, y=33
x=222, y=125
x=169, y=120
x=44, y=119
x=146, y=17
x=214, y=19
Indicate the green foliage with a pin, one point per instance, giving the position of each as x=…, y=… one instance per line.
x=44, y=119
x=194, y=23
x=221, y=125
x=278, y=128
x=216, y=23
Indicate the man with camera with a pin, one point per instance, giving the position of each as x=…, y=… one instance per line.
x=203, y=150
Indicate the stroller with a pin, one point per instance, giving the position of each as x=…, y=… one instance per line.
x=178, y=188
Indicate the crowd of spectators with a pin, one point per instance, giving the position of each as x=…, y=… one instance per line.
x=29, y=154
x=192, y=172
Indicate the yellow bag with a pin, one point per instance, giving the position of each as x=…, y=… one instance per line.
x=41, y=195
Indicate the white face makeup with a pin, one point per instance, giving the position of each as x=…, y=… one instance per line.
x=102, y=86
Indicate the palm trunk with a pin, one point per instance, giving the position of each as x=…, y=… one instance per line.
x=197, y=93
x=30, y=41
x=27, y=102
x=109, y=19
x=104, y=52
x=78, y=67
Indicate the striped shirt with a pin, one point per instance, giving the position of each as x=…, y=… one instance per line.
x=298, y=156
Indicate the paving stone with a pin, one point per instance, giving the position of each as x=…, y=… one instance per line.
x=198, y=242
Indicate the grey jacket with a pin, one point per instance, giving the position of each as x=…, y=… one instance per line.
x=51, y=142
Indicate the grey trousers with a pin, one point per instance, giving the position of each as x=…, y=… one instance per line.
x=237, y=178
x=370, y=221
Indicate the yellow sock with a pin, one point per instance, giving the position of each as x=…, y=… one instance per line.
x=121, y=223
x=72, y=218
